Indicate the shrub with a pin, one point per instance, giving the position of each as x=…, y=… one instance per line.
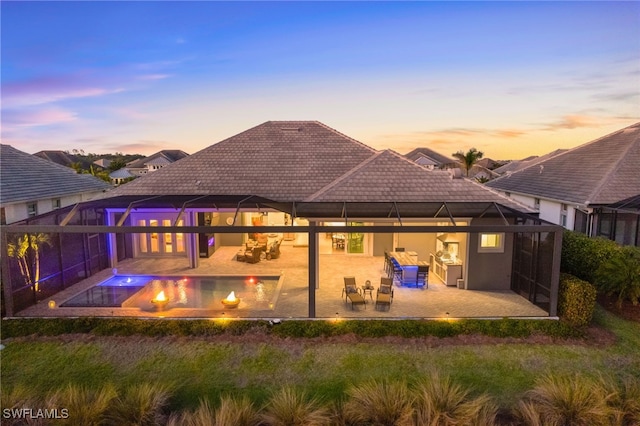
x=583, y=255
x=140, y=405
x=573, y=401
x=624, y=400
x=441, y=402
x=86, y=406
x=576, y=300
x=379, y=403
x=288, y=407
x=620, y=276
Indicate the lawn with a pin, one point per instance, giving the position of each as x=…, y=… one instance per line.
x=196, y=367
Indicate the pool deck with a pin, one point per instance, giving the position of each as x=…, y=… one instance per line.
x=433, y=302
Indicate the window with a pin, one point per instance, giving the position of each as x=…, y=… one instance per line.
x=563, y=215
x=32, y=209
x=507, y=194
x=536, y=203
x=56, y=203
x=491, y=243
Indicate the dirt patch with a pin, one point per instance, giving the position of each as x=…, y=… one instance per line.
x=627, y=311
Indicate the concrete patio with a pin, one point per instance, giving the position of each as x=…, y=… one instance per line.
x=433, y=302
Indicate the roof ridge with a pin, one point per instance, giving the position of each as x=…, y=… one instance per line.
x=614, y=166
x=343, y=177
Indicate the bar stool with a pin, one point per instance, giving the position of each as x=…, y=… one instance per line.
x=423, y=276
x=397, y=271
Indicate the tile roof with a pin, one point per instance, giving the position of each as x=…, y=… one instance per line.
x=306, y=161
x=279, y=160
x=602, y=171
x=429, y=153
x=515, y=165
x=161, y=157
x=388, y=176
x=63, y=158
x=25, y=177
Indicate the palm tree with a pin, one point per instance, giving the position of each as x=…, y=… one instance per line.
x=20, y=249
x=468, y=159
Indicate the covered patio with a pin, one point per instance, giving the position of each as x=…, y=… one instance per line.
x=435, y=302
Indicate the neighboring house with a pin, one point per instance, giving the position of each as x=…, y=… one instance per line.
x=479, y=172
x=103, y=162
x=155, y=162
x=120, y=176
x=593, y=188
x=304, y=183
x=516, y=165
x=31, y=185
x=430, y=159
x=64, y=158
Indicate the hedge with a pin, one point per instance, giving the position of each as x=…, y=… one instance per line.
x=583, y=255
x=576, y=300
x=505, y=327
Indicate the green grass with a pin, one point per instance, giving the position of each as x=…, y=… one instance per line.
x=197, y=368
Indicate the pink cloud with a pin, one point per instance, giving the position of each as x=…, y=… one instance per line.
x=34, y=117
x=50, y=89
x=153, y=76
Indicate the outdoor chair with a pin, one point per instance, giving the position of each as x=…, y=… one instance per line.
x=253, y=255
x=274, y=251
x=352, y=293
x=384, y=295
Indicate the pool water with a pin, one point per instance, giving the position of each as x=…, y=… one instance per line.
x=198, y=292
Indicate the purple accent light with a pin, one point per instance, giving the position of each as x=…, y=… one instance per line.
x=211, y=241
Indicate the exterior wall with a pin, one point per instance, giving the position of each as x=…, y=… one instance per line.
x=18, y=211
x=382, y=243
x=524, y=199
x=489, y=271
x=228, y=239
x=549, y=209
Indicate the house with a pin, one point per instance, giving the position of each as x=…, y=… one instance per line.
x=64, y=159
x=331, y=205
x=120, y=176
x=593, y=188
x=516, y=165
x=430, y=159
x=31, y=185
x=155, y=162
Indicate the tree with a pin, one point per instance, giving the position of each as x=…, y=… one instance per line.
x=468, y=159
x=26, y=249
x=117, y=164
x=620, y=275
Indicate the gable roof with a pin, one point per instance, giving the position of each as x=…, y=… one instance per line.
x=306, y=161
x=165, y=156
x=602, y=171
x=429, y=153
x=25, y=177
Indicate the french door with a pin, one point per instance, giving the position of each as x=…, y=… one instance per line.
x=157, y=243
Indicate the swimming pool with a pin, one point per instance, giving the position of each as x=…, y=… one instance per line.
x=194, y=292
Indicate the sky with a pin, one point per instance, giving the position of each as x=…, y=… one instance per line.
x=512, y=79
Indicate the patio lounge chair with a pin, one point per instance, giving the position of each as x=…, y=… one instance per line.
x=352, y=293
x=384, y=295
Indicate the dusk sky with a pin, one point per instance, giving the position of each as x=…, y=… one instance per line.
x=512, y=79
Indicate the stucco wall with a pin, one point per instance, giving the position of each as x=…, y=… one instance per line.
x=18, y=211
x=489, y=271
